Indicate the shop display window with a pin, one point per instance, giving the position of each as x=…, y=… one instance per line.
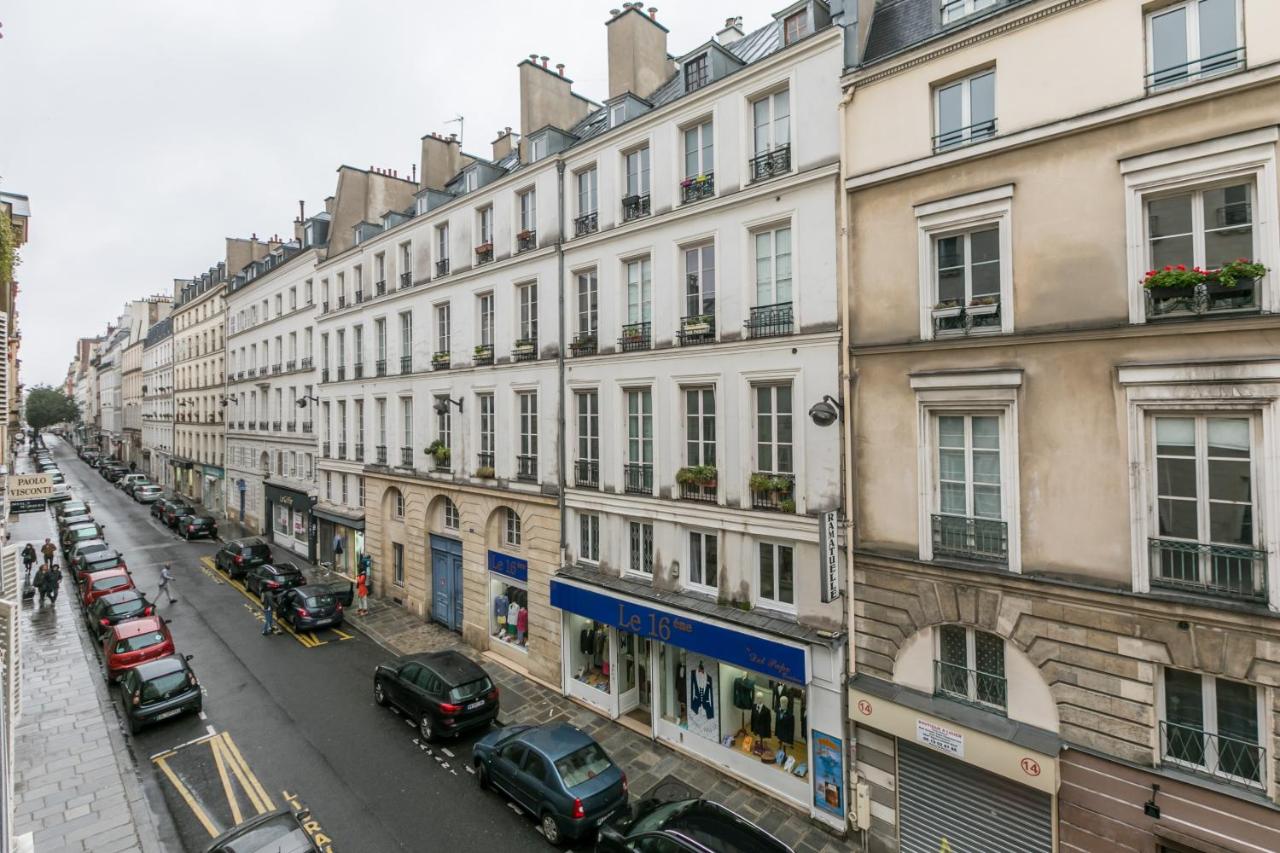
x=589, y=652
x=509, y=611
x=742, y=710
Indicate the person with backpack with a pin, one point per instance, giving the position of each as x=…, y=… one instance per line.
x=29, y=556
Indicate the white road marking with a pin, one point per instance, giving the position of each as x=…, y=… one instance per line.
x=513, y=807
x=471, y=770
x=446, y=751
x=203, y=715
x=210, y=730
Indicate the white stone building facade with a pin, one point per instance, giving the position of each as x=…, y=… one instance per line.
x=157, y=403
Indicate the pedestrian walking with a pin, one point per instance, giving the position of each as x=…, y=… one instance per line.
x=29, y=556
x=55, y=581
x=42, y=583
x=166, y=578
x=362, y=595
x=48, y=549
x=268, y=613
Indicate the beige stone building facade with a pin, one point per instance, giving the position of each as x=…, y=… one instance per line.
x=1066, y=569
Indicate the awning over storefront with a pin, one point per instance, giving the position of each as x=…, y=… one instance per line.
x=289, y=497
x=780, y=660
x=328, y=515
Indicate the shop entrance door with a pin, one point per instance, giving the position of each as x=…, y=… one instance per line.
x=633, y=667
x=446, y=582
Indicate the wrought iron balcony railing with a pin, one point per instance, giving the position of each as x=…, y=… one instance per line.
x=1232, y=760
x=773, y=490
x=635, y=336
x=406, y=280
x=326, y=449
x=524, y=349
x=982, y=539
x=1223, y=571
x=380, y=287
x=970, y=685
x=442, y=267
x=769, y=321
x=584, y=343
x=586, y=473
x=440, y=360
x=635, y=207
x=359, y=296
x=306, y=363
x=484, y=254
x=380, y=367
x=526, y=240
x=1195, y=69
x=770, y=164
x=976, y=132
x=406, y=457
x=380, y=454
x=357, y=370
x=587, y=223
x=698, y=187
x=406, y=364
x=342, y=450
x=526, y=467
x=637, y=478
x=342, y=372
x=698, y=492
x=359, y=449
x=483, y=354
x=697, y=329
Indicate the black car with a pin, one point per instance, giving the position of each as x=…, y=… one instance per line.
x=173, y=511
x=307, y=608
x=159, y=689
x=158, y=508
x=114, y=473
x=114, y=608
x=97, y=561
x=445, y=692
x=280, y=831
x=240, y=555
x=276, y=576
x=193, y=526
x=698, y=826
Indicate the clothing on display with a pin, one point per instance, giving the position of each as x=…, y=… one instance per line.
x=743, y=692
x=703, y=698
x=590, y=653
x=761, y=721
x=510, y=611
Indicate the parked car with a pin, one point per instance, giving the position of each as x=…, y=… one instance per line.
x=699, y=826
x=148, y=493
x=194, y=526
x=307, y=608
x=133, y=642
x=71, y=508
x=557, y=773
x=98, y=561
x=342, y=590
x=276, y=576
x=66, y=521
x=55, y=476
x=174, y=511
x=445, y=692
x=280, y=831
x=127, y=481
x=114, y=608
x=159, y=689
x=162, y=503
x=102, y=583
x=61, y=492
x=78, y=533
x=114, y=472
x=87, y=548
x=240, y=555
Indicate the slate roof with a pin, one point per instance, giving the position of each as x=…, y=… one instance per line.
x=158, y=332
x=899, y=24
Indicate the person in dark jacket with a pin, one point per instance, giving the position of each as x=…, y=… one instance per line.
x=54, y=581
x=268, y=613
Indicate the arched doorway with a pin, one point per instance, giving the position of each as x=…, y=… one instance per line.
x=446, y=563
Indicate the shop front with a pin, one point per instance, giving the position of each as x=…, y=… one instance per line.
x=290, y=514
x=339, y=539
x=508, y=578
x=211, y=488
x=739, y=699
x=958, y=787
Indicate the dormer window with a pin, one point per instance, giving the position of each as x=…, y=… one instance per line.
x=954, y=10
x=617, y=114
x=538, y=148
x=795, y=27
x=697, y=73
x=471, y=180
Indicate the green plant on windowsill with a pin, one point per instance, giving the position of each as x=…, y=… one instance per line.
x=486, y=472
x=697, y=475
x=761, y=483
x=439, y=451
x=787, y=505
x=483, y=350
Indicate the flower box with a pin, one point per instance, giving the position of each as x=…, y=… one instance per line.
x=705, y=476
x=947, y=310
x=525, y=234
x=983, y=309
x=440, y=359
x=485, y=472
x=523, y=347
x=484, y=248
x=700, y=325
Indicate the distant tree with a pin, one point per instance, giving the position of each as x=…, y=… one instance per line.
x=8, y=250
x=47, y=406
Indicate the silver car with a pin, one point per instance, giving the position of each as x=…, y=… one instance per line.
x=147, y=494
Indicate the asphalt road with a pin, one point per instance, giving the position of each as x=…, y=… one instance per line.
x=287, y=719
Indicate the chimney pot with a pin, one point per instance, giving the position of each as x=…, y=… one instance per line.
x=613, y=13
x=533, y=57
x=653, y=12
x=544, y=60
x=560, y=69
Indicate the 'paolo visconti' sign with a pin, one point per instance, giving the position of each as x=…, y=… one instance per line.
x=829, y=554
x=29, y=492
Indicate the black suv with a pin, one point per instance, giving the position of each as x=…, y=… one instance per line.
x=697, y=826
x=191, y=526
x=276, y=576
x=240, y=555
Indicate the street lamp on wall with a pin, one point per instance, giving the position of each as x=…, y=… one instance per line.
x=826, y=411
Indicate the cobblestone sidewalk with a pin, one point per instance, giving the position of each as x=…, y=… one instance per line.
x=75, y=788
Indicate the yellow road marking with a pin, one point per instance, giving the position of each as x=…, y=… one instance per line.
x=253, y=780
x=186, y=795
x=241, y=775
x=309, y=640
x=342, y=635
x=221, y=764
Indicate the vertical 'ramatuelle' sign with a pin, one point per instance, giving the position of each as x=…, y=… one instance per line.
x=829, y=554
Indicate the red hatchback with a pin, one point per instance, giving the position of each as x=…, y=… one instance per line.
x=101, y=583
x=136, y=641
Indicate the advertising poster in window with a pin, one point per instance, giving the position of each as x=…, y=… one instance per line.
x=704, y=699
x=828, y=773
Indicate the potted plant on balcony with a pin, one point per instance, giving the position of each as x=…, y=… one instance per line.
x=635, y=333
x=1235, y=278
x=440, y=359
x=484, y=248
x=583, y=341
x=762, y=483
x=484, y=352
x=439, y=452
x=526, y=235
x=704, y=476
x=524, y=347
x=485, y=472
x=698, y=324
x=984, y=306
x=947, y=309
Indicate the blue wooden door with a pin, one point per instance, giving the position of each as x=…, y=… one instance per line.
x=446, y=581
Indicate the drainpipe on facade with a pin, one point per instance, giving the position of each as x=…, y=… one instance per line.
x=560, y=416
x=846, y=376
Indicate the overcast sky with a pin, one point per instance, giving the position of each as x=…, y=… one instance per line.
x=146, y=131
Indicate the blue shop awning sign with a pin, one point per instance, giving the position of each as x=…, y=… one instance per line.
x=768, y=657
x=509, y=566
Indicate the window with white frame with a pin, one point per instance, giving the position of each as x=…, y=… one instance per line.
x=380, y=342
x=442, y=328
x=636, y=169
x=587, y=404
x=1207, y=538
x=699, y=150
x=774, y=439
x=970, y=666
x=380, y=412
x=954, y=10
x=449, y=511
x=588, y=537
x=527, y=297
x=700, y=426
x=969, y=522
x=470, y=180
x=444, y=426
x=588, y=191
x=640, y=547
x=308, y=290
x=1193, y=39
x=771, y=122
x=1213, y=726
x=406, y=341
x=528, y=207
x=380, y=269
x=406, y=263
x=406, y=424
x=700, y=288
x=966, y=268
x=964, y=111
x=486, y=429
x=588, y=303
x=485, y=229
x=512, y=529
x=704, y=559
x=773, y=266
x=639, y=291
x=484, y=309
x=639, y=467
x=795, y=26
x=528, y=424
x=442, y=246
x=776, y=582
x=538, y=148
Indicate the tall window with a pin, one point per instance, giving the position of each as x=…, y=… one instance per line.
x=406, y=339
x=640, y=542
x=513, y=532
x=528, y=298
x=637, y=172
x=773, y=266
x=771, y=122
x=704, y=559
x=341, y=353
x=588, y=199
x=970, y=666
x=485, y=310
x=700, y=281
x=699, y=150
x=700, y=426
x=324, y=352
x=486, y=428
x=397, y=559
x=406, y=261
x=777, y=575
x=528, y=211
x=406, y=422
x=442, y=328
x=639, y=291
x=1205, y=506
x=965, y=111
x=444, y=421
x=357, y=345
x=589, y=537
x=486, y=225
x=969, y=466
x=342, y=425
x=380, y=410
x=529, y=424
x=773, y=429
x=1205, y=227
x=442, y=247
x=588, y=303
x=380, y=340
x=588, y=406
x=380, y=268
x=1213, y=726
x=697, y=73
x=1193, y=39
x=968, y=267
x=359, y=414
x=639, y=470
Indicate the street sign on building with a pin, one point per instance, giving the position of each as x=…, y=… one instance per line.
x=829, y=554
x=29, y=492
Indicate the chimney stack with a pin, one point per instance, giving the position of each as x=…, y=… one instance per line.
x=547, y=98
x=503, y=144
x=732, y=31
x=441, y=160
x=637, y=51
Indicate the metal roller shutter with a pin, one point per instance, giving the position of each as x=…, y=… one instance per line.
x=975, y=811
